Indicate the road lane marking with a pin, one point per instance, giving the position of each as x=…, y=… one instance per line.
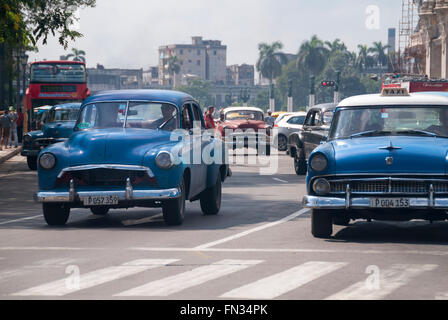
x=21, y=219
x=390, y=280
x=256, y=229
x=278, y=284
x=280, y=180
x=95, y=278
x=170, y=285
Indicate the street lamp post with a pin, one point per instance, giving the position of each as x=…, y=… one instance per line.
x=24, y=111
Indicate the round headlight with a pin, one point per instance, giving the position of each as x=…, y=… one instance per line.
x=164, y=160
x=321, y=187
x=47, y=161
x=319, y=162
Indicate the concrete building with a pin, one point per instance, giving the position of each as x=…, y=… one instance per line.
x=151, y=77
x=429, y=44
x=241, y=75
x=204, y=59
x=100, y=79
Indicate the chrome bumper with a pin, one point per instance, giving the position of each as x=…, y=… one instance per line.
x=314, y=202
x=129, y=194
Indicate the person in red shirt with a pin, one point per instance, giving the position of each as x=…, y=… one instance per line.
x=209, y=120
x=20, y=125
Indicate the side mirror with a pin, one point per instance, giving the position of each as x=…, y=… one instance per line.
x=324, y=140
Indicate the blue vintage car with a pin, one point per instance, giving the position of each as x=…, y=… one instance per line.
x=57, y=128
x=386, y=158
x=133, y=148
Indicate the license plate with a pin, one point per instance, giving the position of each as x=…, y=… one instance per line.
x=100, y=201
x=390, y=203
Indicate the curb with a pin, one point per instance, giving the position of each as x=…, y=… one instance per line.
x=10, y=155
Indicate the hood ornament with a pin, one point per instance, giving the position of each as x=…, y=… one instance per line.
x=390, y=147
x=389, y=161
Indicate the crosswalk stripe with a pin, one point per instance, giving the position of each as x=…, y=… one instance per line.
x=182, y=281
x=390, y=280
x=63, y=287
x=283, y=282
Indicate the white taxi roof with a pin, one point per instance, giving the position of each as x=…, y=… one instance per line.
x=230, y=109
x=378, y=99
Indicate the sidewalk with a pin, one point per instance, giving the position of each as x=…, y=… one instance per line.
x=7, y=154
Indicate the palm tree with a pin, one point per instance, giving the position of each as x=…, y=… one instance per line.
x=313, y=55
x=173, y=68
x=77, y=55
x=363, y=61
x=270, y=60
x=336, y=45
x=379, y=54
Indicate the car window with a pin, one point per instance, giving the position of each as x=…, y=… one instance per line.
x=147, y=115
x=198, y=123
x=299, y=120
x=102, y=115
x=313, y=119
x=187, y=118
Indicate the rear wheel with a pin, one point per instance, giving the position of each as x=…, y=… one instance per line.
x=174, y=210
x=341, y=221
x=211, y=198
x=300, y=162
x=55, y=214
x=282, y=143
x=321, y=223
x=32, y=163
x=99, y=211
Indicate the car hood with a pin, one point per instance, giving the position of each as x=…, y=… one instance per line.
x=245, y=124
x=58, y=129
x=413, y=155
x=114, y=146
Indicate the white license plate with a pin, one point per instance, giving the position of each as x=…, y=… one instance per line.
x=100, y=201
x=390, y=203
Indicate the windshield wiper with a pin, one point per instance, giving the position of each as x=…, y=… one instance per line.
x=166, y=122
x=370, y=133
x=421, y=132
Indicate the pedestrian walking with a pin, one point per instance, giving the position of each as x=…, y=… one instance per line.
x=20, y=124
x=6, y=127
x=269, y=119
x=13, y=131
x=209, y=120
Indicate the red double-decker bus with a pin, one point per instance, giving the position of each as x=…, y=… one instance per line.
x=55, y=82
x=414, y=82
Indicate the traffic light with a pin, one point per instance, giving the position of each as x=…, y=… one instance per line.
x=327, y=84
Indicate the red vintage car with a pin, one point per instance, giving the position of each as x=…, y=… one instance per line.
x=243, y=127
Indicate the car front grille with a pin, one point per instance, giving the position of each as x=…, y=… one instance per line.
x=389, y=185
x=107, y=177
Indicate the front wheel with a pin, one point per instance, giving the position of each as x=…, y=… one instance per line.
x=321, y=223
x=211, y=198
x=282, y=143
x=55, y=214
x=32, y=163
x=99, y=211
x=300, y=162
x=174, y=210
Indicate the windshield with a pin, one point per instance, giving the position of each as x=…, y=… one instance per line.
x=244, y=115
x=145, y=115
x=407, y=120
x=58, y=73
x=67, y=114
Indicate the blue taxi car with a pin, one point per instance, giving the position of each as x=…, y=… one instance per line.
x=58, y=127
x=133, y=148
x=386, y=158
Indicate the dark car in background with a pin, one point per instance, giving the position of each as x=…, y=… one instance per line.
x=314, y=131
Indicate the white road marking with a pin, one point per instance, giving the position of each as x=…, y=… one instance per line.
x=390, y=279
x=280, y=180
x=165, y=287
x=128, y=223
x=247, y=232
x=21, y=219
x=278, y=284
x=94, y=278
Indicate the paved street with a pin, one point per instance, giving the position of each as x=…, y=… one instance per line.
x=258, y=247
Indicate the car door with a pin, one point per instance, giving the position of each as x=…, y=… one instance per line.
x=198, y=167
x=307, y=135
x=294, y=124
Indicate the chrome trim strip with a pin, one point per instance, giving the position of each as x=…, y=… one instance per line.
x=107, y=166
x=347, y=197
x=314, y=202
x=431, y=196
x=164, y=194
x=129, y=189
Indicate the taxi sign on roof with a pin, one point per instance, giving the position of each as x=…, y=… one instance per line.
x=393, y=92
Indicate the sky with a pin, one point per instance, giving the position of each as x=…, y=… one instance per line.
x=127, y=34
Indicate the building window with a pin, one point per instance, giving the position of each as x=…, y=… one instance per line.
x=214, y=52
x=189, y=61
x=198, y=62
x=181, y=51
x=199, y=52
